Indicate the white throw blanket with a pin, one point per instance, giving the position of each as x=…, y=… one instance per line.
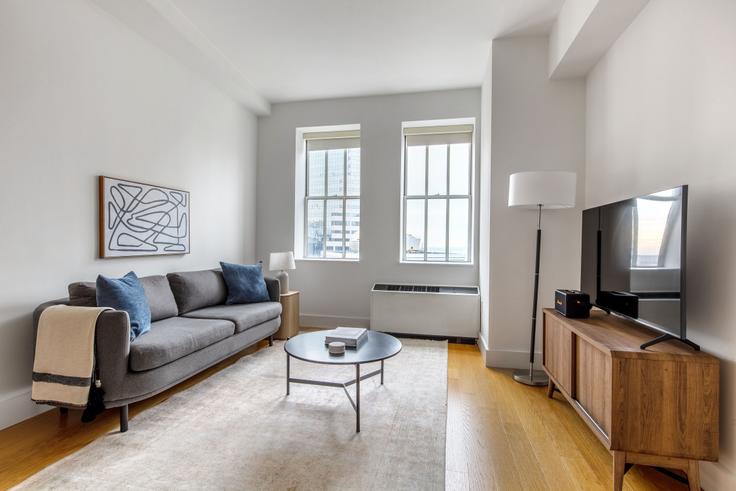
x=65, y=355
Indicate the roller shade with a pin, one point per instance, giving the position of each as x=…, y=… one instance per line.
x=438, y=135
x=333, y=144
x=332, y=140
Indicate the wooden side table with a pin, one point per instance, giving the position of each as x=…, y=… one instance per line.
x=289, y=316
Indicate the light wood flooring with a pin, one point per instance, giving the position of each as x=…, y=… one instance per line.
x=500, y=435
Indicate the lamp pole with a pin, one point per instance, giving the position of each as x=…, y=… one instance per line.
x=534, y=377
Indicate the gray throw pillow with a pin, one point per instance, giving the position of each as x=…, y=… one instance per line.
x=160, y=297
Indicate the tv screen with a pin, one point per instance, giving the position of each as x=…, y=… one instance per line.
x=633, y=258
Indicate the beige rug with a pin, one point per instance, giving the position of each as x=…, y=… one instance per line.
x=238, y=430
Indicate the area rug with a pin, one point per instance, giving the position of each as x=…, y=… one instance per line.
x=238, y=430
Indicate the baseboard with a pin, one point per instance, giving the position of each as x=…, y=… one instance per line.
x=18, y=406
x=333, y=321
x=511, y=359
x=483, y=347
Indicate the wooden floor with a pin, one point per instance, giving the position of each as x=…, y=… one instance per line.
x=500, y=435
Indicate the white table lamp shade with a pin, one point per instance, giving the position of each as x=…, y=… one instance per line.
x=282, y=261
x=551, y=189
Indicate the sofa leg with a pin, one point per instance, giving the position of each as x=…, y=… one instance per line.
x=123, y=418
x=270, y=340
x=63, y=411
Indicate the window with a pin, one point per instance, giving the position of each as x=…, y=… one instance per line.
x=331, y=205
x=437, y=202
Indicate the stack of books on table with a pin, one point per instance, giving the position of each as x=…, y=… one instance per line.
x=351, y=336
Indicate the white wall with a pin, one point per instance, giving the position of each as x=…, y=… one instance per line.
x=80, y=96
x=661, y=111
x=537, y=124
x=338, y=292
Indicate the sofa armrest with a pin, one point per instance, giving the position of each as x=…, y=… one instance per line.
x=112, y=338
x=274, y=291
x=39, y=310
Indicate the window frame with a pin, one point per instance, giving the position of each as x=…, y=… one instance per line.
x=426, y=197
x=324, y=198
x=302, y=198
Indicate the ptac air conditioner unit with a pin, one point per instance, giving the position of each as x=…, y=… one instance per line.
x=428, y=310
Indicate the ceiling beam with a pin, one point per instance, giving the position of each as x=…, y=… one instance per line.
x=163, y=24
x=583, y=32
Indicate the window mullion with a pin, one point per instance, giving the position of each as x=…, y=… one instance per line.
x=305, y=237
x=426, y=200
x=324, y=205
x=447, y=208
x=344, y=202
x=471, y=191
x=469, y=211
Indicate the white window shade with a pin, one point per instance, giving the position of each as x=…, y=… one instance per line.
x=438, y=135
x=332, y=140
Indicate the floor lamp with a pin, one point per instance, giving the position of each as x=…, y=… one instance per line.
x=537, y=190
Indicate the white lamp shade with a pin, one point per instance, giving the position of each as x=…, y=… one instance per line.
x=282, y=261
x=551, y=189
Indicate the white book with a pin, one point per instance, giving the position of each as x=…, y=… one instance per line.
x=351, y=336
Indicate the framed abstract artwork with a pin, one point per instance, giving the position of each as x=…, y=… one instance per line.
x=139, y=219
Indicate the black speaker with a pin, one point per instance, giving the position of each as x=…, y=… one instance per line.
x=572, y=303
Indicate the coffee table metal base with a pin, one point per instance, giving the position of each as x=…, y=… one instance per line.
x=344, y=385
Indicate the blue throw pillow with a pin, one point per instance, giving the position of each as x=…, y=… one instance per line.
x=126, y=294
x=245, y=283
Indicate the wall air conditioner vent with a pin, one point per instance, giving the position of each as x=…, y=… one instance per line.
x=466, y=290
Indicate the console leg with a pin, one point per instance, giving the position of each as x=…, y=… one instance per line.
x=693, y=475
x=123, y=418
x=619, y=467
x=550, y=389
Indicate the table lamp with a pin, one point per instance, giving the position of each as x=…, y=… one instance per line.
x=281, y=262
x=537, y=190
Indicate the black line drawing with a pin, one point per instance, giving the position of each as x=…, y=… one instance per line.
x=140, y=219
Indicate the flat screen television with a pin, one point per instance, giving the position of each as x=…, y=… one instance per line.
x=633, y=260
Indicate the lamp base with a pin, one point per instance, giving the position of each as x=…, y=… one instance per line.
x=535, y=378
x=283, y=278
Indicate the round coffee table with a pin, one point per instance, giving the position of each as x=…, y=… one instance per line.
x=311, y=347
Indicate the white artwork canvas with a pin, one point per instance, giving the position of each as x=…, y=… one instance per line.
x=139, y=219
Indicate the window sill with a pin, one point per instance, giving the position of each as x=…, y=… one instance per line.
x=437, y=263
x=325, y=260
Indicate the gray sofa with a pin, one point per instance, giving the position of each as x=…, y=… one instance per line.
x=192, y=329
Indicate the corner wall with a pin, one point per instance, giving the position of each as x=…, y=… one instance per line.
x=661, y=111
x=536, y=124
x=82, y=95
x=334, y=293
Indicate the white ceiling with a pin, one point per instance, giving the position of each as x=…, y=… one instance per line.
x=310, y=49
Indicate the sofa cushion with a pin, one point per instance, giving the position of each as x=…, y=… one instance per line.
x=160, y=297
x=176, y=337
x=126, y=294
x=244, y=316
x=82, y=294
x=197, y=289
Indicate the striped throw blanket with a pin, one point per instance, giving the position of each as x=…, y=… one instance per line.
x=65, y=355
